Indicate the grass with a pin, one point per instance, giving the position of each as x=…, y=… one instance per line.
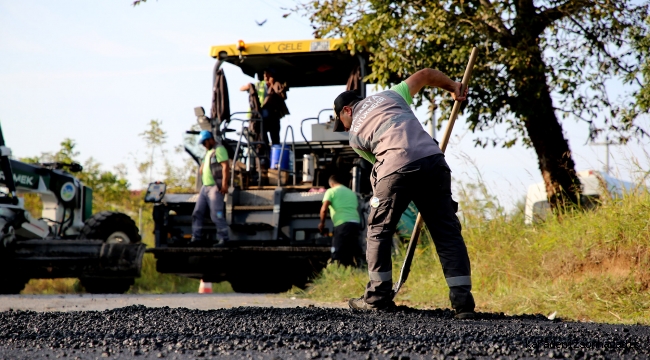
x=585, y=265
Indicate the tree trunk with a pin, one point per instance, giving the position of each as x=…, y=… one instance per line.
x=535, y=107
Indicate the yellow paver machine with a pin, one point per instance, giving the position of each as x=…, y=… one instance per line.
x=276, y=191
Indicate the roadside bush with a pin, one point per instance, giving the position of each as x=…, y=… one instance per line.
x=592, y=265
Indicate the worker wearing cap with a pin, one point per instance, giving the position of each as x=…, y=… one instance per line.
x=214, y=172
x=408, y=166
x=342, y=204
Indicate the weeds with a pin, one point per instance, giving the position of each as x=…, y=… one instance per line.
x=592, y=265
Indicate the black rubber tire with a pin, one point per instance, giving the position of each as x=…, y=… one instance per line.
x=251, y=285
x=273, y=276
x=106, y=285
x=103, y=224
x=12, y=286
x=100, y=227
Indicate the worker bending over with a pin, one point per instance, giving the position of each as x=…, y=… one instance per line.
x=214, y=172
x=342, y=204
x=408, y=166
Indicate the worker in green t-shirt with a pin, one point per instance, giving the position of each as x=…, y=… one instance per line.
x=342, y=204
x=214, y=171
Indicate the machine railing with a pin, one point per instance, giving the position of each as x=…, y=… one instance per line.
x=226, y=123
x=235, y=156
x=251, y=149
x=317, y=118
x=284, y=143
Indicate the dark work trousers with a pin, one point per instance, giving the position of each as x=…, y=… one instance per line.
x=345, y=244
x=272, y=126
x=426, y=182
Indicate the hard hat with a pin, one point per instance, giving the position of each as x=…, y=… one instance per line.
x=204, y=135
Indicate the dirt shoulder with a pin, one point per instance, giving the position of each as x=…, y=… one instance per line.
x=191, y=301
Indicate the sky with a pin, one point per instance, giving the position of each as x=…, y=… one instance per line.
x=98, y=72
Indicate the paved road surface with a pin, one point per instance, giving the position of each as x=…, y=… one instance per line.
x=190, y=301
x=180, y=327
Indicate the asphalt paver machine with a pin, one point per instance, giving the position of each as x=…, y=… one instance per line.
x=102, y=250
x=273, y=213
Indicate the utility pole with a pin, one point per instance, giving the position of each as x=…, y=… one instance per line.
x=606, y=144
x=432, y=119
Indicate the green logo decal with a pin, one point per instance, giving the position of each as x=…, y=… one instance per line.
x=67, y=191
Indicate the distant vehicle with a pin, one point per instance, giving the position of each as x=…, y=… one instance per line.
x=595, y=185
x=103, y=250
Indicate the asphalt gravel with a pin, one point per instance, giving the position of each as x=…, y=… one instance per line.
x=308, y=333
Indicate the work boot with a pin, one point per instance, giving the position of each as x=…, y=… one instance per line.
x=465, y=315
x=361, y=304
x=463, y=302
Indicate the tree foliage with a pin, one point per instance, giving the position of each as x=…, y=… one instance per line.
x=539, y=60
x=642, y=47
x=585, y=44
x=155, y=138
x=178, y=179
x=110, y=189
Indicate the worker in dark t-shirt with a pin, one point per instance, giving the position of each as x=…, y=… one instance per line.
x=272, y=95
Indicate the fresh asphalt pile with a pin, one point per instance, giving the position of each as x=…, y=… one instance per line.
x=272, y=333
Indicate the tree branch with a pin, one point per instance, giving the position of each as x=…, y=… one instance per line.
x=493, y=20
x=572, y=112
x=593, y=38
x=569, y=8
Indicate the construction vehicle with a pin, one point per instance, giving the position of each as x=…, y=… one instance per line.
x=102, y=250
x=273, y=213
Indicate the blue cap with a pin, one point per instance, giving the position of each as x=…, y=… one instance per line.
x=204, y=135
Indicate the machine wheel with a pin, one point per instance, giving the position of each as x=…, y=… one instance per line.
x=12, y=286
x=106, y=285
x=275, y=278
x=112, y=227
x=256, y=286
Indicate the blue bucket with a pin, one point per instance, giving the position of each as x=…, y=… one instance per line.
x=275, y=157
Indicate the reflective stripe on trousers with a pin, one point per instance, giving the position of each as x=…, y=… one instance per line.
x=459, y=281
x=380, y=276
